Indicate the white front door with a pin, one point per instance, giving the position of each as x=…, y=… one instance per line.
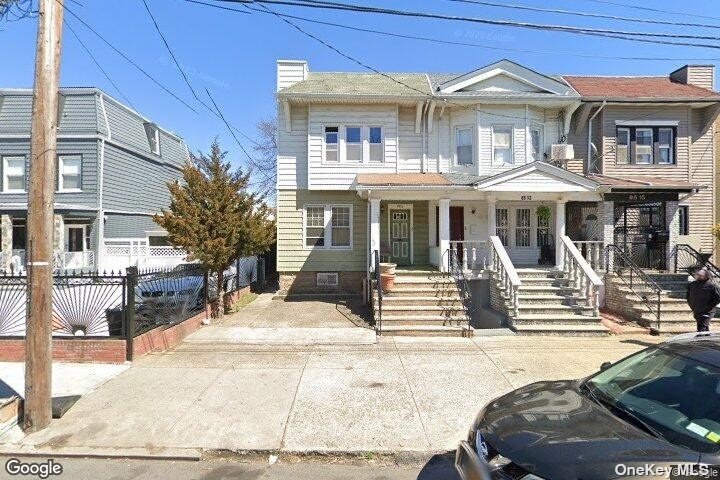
x=75, y=246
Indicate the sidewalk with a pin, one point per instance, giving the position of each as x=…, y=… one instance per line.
x=402, y=394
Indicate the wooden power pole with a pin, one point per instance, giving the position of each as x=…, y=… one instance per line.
x=41, y=230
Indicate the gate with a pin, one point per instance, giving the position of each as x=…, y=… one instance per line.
x=641, y=232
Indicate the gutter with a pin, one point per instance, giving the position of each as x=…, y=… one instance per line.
x=589, y=140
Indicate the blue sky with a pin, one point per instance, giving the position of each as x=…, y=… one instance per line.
x=233, y=55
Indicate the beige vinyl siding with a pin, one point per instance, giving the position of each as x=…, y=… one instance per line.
x=292, y=256
x=409, y=142
x=292, y=149
x=702, y=172
x=341, y=175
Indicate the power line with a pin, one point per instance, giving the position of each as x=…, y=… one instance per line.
x=97, y=64
x=645, y=37
x=451, y=42
x=586, y=14
x=649, y=9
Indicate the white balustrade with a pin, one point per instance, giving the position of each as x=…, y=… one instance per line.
x=592, y=251
x=508, y=278
x=474, y=254
x=581, y=274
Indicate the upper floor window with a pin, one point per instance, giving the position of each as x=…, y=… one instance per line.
x=353, y=144
x=464, y=145
x=153, y=136
x=69, y=173
x=375, y=140
x=502, y=138
x=331, y=144
x=536, y=142
x=13, y=174
x=645, y=145
x=328, y=226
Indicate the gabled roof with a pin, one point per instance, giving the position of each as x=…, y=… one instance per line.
x=542, y=182
x=635, y=88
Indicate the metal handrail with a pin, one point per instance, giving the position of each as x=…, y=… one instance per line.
x=581, y=274
x=457, y=270
x=700, y=260
x=378, y=288
x=639, y=282
x=508, y=276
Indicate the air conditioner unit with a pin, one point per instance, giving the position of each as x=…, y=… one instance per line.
x=562, y=151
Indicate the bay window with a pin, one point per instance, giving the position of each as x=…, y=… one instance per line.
x=328, y=226
x=502, y=144
x=464, y=145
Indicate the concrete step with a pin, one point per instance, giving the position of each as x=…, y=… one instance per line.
x=423, y=280
x=454, y=300
x=665, y=306
x=413, y=291
x=415, y=310
x=418, y=272
x=544, y=299
x=544, y=281
x=426, y=331
x=554, y=318
x=553, y=309
x=686, y=316
x=546, y=289
x=562, y=330
x=539, y=273
x=423, y=319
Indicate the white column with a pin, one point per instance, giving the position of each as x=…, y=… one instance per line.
x=492, y=221
x=374, y=229
x=559, y=231
x=607, y=214
x=444, y=233
x=672, y=220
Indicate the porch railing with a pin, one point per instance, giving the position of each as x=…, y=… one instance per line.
x=593, y=252
x=471, y=254
x=685, y=259
x=508, y=278
x=649, y=292
x=456, y=268
x=75, y=260
x=581, y=274
x=378, y=290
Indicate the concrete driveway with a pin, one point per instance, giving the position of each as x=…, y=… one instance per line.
x=402, y=394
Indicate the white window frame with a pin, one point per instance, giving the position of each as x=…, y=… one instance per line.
x=61, y=174
x=652, y=146
x=327, y=217
x=512, y=143
x=5, y=167
x=361, y=143
x=668, y=146
x=85, y=237
x=628, y=153
x=325, y=144
x=686, y=209
x=382, y=144
x=528, y=228
x=458, y=129
x=541, y=147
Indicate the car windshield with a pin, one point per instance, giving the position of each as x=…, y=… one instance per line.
x=667, y=393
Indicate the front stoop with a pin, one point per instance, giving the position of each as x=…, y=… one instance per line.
x=549, y=305
x=423, y=302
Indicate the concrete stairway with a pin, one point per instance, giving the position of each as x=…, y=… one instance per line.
x=549, y=305
x=424, y=302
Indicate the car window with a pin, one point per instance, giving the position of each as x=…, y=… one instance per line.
x=676, y=396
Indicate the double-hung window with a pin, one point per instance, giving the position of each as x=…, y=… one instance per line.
x=353, y=144
x=536, y=140
x=622, y=146
x=502, y=144
x=328, y=226
x=684, y=220
x=69, y=173
x=464, y=145
x=375, y=142
x=644, y=146
x=665, y=146
x=331, y=144
x=13, y=174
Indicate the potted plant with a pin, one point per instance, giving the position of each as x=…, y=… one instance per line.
x=388, y=268
x=387, y=282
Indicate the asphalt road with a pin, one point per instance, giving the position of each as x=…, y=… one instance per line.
x=438, y=468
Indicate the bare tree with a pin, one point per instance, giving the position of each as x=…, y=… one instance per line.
x=265, y=161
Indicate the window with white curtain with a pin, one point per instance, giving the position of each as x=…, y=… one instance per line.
x=644, y=146
x=328, y=226
x=340, y=226
x=502, y=144
x=13, y=174
x=69, y=173
x=464, y=145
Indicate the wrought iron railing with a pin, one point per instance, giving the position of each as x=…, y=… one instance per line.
x=507, y=277
x=471, y=254
x=685, y=259
x=378, y=290
x=639, y=282
x=580, y=274
x=456, y=268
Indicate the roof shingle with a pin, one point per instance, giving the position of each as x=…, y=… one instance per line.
x=637, y=87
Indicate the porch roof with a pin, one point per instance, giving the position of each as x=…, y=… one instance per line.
x=425, y=180
x=643, y=183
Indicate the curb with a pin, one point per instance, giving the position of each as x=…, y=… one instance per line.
x=134, y=453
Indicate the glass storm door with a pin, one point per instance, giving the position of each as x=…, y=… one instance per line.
x=400, y=236
x=75, y=246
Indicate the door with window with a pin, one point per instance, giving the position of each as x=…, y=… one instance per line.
x=400, y=236
x=75, y=255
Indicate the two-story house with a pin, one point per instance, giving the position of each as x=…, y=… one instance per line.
x=112, y=168
x=420, y=167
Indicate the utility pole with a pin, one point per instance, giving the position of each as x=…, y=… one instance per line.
x=41, y=231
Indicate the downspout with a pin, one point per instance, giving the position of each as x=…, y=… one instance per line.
x=589, y=140
x=423, y=120
x=100, y=248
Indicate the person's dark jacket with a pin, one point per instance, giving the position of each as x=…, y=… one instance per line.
x=703, y=296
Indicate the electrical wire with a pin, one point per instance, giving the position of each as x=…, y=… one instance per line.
x=650, y=9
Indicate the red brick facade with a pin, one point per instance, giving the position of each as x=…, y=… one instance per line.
x=108, y=350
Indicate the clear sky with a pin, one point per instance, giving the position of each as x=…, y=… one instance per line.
x=233, y=55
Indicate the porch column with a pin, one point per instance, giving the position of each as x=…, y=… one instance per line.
x=607, y=217
x=7, y=232
x=374, y=229
x=559, y=231
x=492, y=221
x=59, y=240
x=671, y=223
x=444, y=233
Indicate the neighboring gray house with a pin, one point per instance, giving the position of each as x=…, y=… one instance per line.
x=112, y=169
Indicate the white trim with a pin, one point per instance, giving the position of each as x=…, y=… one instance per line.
x=542, y=167
x=61, y=179
x=669, y=147
x=360, y=143
x=327, y=220
x=105, y=116
x=85, y=239
x=628, y=159
x=492, y=144
x=647, y=123
x=473, y=147
x=323, y=158
x=403, y=206
x=540, y=127
x=382, y=144
x=651, y=146
x=5, y=167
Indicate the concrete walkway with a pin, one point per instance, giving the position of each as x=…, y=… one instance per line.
x=403, y=394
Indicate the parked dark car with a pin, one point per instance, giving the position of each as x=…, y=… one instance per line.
x=658, y=408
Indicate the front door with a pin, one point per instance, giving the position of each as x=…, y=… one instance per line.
x=457, y=228
x=400, y=236
x=75, y=244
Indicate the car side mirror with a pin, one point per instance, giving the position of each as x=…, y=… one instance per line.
x=605, y=365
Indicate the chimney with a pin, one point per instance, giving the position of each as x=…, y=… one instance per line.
x=699, y=75
x=290, y=72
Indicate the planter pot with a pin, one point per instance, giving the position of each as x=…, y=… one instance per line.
x=388, y=268
x=387, y=282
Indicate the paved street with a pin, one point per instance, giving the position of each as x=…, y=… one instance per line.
x=399, y=394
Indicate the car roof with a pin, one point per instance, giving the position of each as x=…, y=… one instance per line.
x=702, y=346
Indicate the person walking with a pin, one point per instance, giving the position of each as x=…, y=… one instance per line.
x=703, y=296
